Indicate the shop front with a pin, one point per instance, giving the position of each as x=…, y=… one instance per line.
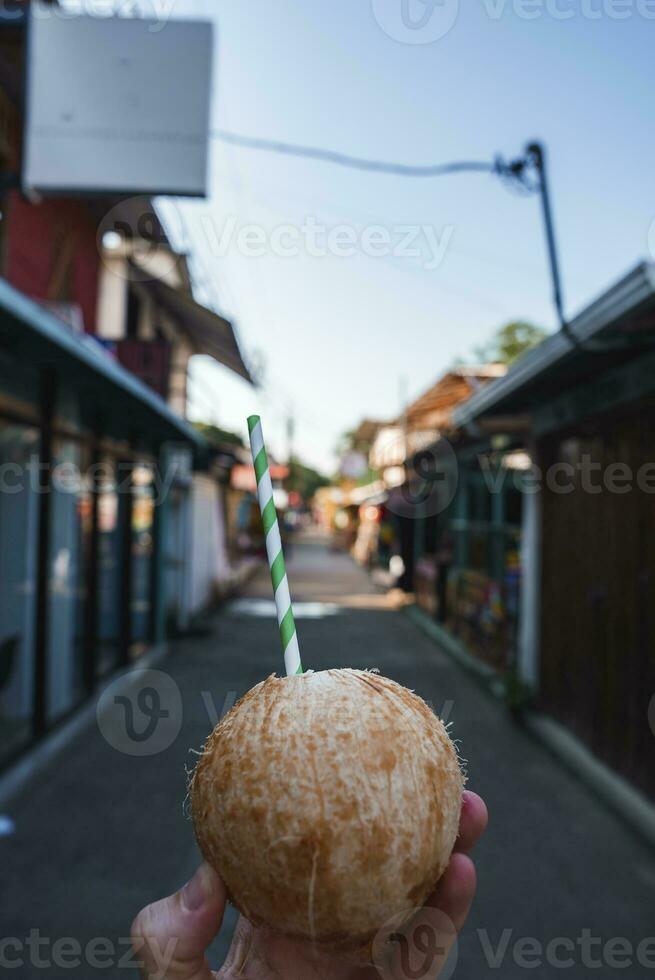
x=586, y=639
x=466, y=548
x=83, y=491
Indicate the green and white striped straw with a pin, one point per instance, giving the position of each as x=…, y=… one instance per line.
x=274, y=549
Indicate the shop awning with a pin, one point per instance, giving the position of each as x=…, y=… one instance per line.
x=622, y=318
x=109, y=395
x=243, y=476
x=208, y=332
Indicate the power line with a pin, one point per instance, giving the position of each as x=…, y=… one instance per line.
x=205, y=282
x=526, y=174
x=205, y=391
x=275, y=193
x=355, y=163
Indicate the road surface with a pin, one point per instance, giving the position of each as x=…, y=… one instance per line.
x=563, y=884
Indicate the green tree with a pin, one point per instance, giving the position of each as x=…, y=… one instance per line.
x=304, y=479
x=216, y=435
x=511, y=341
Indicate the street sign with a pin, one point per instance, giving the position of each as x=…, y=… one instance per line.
x=116, y=104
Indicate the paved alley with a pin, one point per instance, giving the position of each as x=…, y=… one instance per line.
x=100, y=833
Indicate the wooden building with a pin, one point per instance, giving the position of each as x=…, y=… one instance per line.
x=402, y=454
x=586, y=640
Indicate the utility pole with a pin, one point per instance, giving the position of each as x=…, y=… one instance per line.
x=291, y=431
x=530, y=173
x=520, y=172
x=403, y=389
x=536, y=153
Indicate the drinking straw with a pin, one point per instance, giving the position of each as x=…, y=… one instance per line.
x=274, y=551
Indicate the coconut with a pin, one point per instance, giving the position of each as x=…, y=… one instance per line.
x=329, y=804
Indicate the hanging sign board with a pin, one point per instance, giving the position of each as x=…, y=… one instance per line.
x=116, y=104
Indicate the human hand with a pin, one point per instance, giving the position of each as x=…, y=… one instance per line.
x=170, y=937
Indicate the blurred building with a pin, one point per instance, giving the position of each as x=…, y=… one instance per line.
x=112, y=519
x=88, y=455
x=544, y=541
x=246, y=533
x=149, y=320
x=388, y=530
x=425, y=418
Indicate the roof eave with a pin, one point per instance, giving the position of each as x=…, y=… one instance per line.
x=633, y=289
x=82, y=350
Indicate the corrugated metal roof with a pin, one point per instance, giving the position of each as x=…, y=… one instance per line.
x=614, y=307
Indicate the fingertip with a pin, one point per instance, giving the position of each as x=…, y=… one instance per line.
x=456, y=890
x=473, y=822
x=475, y=807
x=181, y=927
x=204, y=888
x=461, y=876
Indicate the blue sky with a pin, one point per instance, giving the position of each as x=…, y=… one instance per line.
x=339, y=337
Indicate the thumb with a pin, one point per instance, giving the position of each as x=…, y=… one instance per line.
x=170, y=937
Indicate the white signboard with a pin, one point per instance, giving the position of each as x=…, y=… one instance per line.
x=116, y=104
